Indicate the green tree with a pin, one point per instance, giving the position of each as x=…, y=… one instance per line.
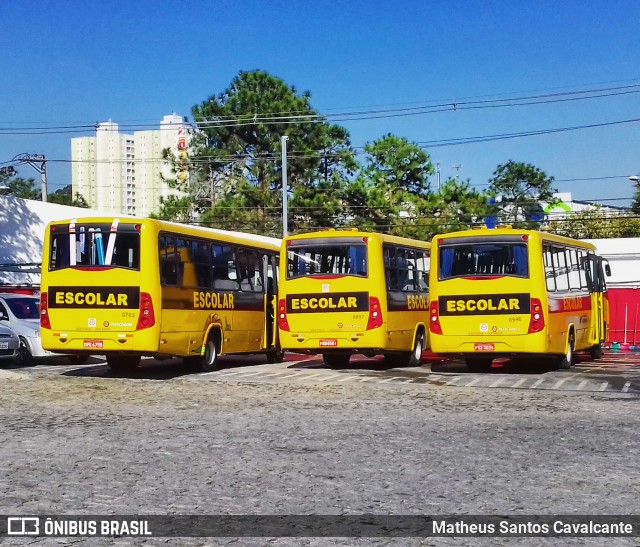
x=520, y=189
x=458, y=206
x=236, y=157
x=390, y=187
x=63, y=196
x=19, y=187
x=635, y=205
x=596, y=224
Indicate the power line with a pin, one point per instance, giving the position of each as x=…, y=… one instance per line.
x=297, y=117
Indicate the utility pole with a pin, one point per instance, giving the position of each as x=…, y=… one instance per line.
x=39, y=163
x=457, y=167
x=283, y=146
x=438, y=174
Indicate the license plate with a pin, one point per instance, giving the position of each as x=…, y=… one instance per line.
x=93, y=344
x=483, y=346
x=328, y=343
x=4, y=345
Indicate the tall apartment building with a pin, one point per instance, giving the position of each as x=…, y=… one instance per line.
x=119, y=173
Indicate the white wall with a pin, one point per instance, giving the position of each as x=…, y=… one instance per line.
x=623, y=255
x=22, y=224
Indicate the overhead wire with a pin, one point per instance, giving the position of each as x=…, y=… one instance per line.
x=368, y=114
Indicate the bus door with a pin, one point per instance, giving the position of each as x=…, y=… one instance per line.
x=270, y=274
x=597, y=287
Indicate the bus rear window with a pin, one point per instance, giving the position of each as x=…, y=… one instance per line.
x=326, y=259
x=483, y=259
x=94, y=245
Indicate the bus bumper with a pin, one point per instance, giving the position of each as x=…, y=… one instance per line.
x=368, y=342
x=535, y=343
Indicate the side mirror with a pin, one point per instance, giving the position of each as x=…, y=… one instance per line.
x=607, y=270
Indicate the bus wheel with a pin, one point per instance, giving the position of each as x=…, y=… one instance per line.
x=566, y=360
x=478, y=364
x=209, y=361
x=595, y=352
x=418, y=347
x=336, y=360
x=407, y=358
x=123, y=363
x=275, y=356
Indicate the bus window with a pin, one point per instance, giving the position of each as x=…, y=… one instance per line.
x=200, y=256
x=249, y=266
x=126, y=252
x=168, y=261
x=89, y=245
x=224, y=273
x=318, y=258
x=480, y=259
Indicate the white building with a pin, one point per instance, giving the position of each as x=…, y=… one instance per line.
x=22, y=226
x=119, y=173
x=567, y=205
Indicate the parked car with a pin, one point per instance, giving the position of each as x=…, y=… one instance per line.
x=9, y=343
x=21, y=313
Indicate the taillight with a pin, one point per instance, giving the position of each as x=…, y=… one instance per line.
x=44, y=312
x=283, y=324
x=434, y=318
x=536, y=322
x=375, y=314
x=146, y=318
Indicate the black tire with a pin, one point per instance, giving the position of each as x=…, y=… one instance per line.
x=565, y=362
x=275, y=356
x=23, y=357
x=408, y=358
x=336, y=360
x=208, y=362
x=479, y=364
x=77, y=359
x=416, y=354
x=595, y=352
x=123, y=363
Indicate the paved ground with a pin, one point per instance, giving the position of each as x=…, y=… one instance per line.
x=296, y=438
x=614, y=374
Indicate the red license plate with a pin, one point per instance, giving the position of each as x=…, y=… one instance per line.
x=93, y=344
x=484, y=346
x=328, y=343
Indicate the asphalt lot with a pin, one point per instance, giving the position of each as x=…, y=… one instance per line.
x=616, y=374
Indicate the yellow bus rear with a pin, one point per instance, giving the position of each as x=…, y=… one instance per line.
x=515, y=293
x=127, y=288
x=348, y=292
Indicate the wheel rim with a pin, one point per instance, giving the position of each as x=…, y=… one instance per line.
x=210, y=353
x=417, y=352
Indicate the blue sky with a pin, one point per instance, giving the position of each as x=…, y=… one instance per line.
x=78, y=62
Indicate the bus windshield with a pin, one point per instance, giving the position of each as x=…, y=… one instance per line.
x=483, y=259
x=327, y=258
x=94, y=245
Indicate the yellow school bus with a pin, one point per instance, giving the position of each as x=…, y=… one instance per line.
x=127, y=288
x=507, y=292
x=346, y=291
